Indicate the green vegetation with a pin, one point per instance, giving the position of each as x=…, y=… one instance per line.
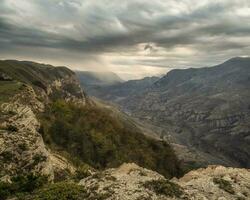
x=8, y=89
x=32, y=73
x=82, y=172
x=164, y=187
x=62, y=191
x=39, y=76
x=101, y=139
x=21, y=184
x=224, y=185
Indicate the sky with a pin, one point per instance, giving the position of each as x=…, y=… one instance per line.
x=133, y=38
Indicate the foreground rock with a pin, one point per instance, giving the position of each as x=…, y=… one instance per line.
x=130, y=181
x=217, y=182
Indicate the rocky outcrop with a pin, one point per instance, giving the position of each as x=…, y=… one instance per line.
x=217, y=182
x=130, y=181
x=22, y=149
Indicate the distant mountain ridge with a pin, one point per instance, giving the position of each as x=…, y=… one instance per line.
x=205, y=108
x=118, y=91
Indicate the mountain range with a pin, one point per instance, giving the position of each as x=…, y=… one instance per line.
x=206, y=109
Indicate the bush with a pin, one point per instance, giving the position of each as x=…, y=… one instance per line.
x=164, y=187
x=21, y=184
x=5, y=190
x=224, y=185
x=62, y=191
x=82, y=172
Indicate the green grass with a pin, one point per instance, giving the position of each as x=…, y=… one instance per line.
x=8, y=89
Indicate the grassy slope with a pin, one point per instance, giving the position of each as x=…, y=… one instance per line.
x=100, y=138
x=30, y=73
x=8, y=89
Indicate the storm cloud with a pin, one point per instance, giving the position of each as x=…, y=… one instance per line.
x=134, y=38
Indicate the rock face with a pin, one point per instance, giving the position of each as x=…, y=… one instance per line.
x=130, y=181
x=22, y=149
x=205, y=108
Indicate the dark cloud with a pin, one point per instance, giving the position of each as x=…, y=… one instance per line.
x=176, y=33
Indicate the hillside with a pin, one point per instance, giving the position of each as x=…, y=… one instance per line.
x=50, y=128
x=203, y=108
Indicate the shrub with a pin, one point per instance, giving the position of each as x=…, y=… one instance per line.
x=21, y=184
x=28, y=183
x=82, y=172
x=224, y=185
x=5, y=190
x=164, y=187
x=62, y=191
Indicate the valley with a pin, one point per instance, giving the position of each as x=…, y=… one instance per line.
x=204, y=109
x=57, y=141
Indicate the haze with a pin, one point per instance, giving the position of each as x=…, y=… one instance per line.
x=133, y=38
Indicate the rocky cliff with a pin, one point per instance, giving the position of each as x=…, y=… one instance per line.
x=26, y=89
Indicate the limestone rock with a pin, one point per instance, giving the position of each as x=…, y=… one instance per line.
x=127, y=182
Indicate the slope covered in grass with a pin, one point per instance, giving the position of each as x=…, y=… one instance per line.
x=102, y=138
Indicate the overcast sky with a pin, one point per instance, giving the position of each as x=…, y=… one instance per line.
x=133, y=38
